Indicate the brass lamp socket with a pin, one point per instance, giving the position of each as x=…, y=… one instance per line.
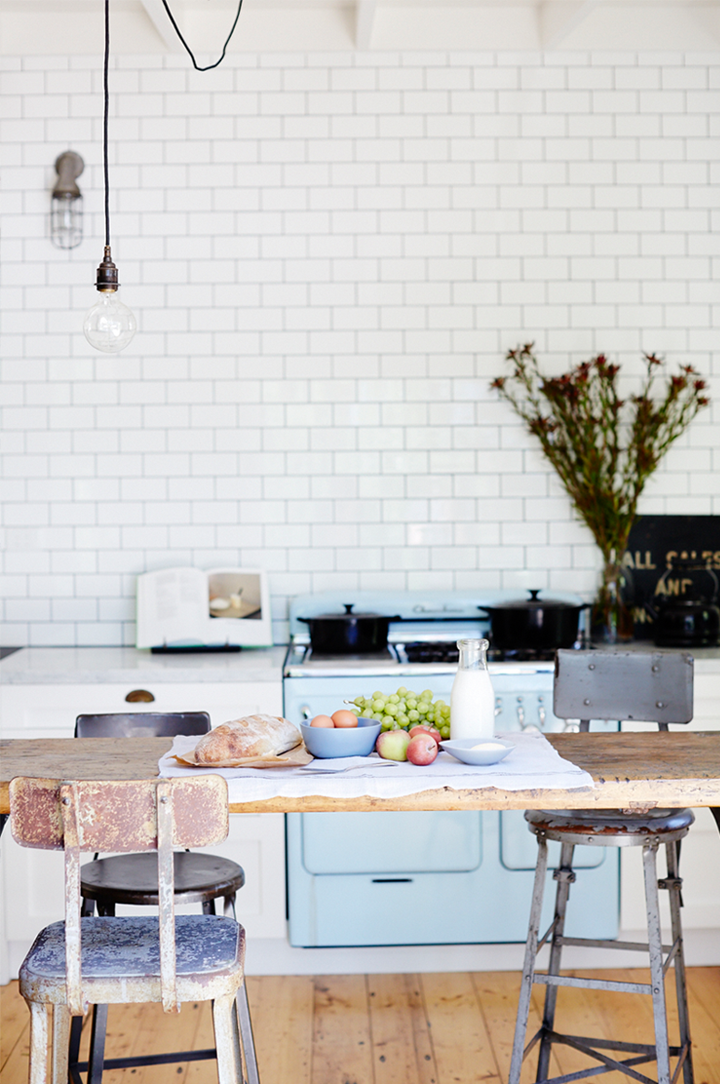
x=107, y=274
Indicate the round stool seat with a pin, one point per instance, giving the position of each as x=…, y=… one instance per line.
x=610, y=827
x=133, y=878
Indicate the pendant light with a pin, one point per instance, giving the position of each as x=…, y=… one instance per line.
x=109, y=325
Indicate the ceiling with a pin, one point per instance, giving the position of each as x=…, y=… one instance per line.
x=37, y=27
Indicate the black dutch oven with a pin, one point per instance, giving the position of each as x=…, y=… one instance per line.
x=534, y=624
x=691, y=620
x=348, y=633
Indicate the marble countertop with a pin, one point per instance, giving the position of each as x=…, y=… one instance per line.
x=117, y=665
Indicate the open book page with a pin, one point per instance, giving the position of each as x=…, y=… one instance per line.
x=234, y=593
x=171, y=607
x=187, y=607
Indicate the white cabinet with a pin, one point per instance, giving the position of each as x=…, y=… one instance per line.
x=32, y=881
x=49, y=711
x=700, y=850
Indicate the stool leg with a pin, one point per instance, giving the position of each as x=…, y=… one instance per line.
x=60, y=1037
x=528, y=972
x=75, y=1036
x=564, y=877
x=229, y=1064
x=38, y=1042
x=656, y=960
x=96, y=1057
x=672, y=850
x=246, y=1034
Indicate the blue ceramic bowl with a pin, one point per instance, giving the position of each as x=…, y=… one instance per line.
x=354, y=741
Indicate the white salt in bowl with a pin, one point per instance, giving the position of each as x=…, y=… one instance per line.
x=478, y=750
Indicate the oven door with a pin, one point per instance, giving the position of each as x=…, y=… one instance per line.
x=429, y=878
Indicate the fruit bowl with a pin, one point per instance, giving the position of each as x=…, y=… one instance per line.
x=356, y=741
x=478, y=750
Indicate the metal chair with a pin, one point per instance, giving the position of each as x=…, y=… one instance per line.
x=132, y=879
x=655, y=687
x=88, y=960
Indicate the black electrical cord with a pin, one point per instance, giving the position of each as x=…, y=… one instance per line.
x=189, y=50
x=106, y=92
x=106, y=110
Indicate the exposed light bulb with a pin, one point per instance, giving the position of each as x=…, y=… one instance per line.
x=109, y=325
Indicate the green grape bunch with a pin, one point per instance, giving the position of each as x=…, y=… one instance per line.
x=404, y=709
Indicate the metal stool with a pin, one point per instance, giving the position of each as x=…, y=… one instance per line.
x=132, y=879
x=655, y=687
x=84, y=961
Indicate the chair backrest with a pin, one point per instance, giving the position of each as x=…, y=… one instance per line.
x=127, y=815
x=654, y=687
x=142, y=724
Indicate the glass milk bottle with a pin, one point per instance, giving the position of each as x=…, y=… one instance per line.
x=472, y=700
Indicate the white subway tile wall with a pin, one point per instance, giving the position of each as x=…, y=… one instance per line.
x=328, y=256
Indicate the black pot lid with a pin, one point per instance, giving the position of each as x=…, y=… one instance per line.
x=350, y=616
x=533, y=603
x=667, y=606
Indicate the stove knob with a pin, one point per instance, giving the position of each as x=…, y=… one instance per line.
x=498, y=706
x=521, y=713
x=541, y=711
x=305, y=712
x=572, y=726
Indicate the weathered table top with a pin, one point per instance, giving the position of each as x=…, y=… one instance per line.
x=632, y=771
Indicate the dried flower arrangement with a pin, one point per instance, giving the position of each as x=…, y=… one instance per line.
x=603, y=448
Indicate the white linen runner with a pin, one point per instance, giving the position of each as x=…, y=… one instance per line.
x=532, y=765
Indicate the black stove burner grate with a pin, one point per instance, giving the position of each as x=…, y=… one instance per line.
x=423, y=651
x=496, y=654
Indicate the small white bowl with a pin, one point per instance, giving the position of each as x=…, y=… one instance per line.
x=478, y=750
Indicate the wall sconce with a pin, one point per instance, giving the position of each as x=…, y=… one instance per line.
x=67, y=202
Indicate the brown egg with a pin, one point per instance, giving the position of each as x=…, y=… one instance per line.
x=322, y=720
x=344, y=719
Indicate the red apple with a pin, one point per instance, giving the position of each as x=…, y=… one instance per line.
x=392, y=744
x=424, y=728
x=422, y=749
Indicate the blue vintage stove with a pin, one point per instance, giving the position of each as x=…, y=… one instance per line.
x=424, y=878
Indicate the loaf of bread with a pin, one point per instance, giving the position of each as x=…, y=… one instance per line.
x=252, y=736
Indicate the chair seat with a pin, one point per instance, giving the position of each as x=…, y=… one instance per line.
x=120, y=950
x=610, y=827
x=132, y=878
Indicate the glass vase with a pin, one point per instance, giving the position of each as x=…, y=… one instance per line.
x=611, y=620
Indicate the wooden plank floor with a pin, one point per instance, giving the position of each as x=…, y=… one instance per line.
x=381, y=1029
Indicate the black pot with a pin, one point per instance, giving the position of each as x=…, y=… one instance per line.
x=686, y=621
x=348, y=633
x=534, y=624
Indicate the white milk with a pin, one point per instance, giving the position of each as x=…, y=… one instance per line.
x=472, y=700
x=472, y=705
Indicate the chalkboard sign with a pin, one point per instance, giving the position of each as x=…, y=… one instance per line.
x=657, y=549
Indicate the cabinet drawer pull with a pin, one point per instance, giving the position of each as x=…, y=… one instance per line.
x=392, y=880
x=139, y=696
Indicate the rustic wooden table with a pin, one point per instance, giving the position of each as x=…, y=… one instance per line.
x=632, y=771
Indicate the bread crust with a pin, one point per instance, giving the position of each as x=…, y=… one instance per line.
x=251, y=736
